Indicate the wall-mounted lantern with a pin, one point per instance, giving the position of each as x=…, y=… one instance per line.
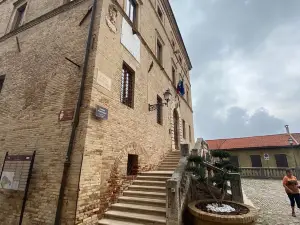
x=167, y=97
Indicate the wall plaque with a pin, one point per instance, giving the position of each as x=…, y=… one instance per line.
x=101, y=113
x=15, y=172
x=104, y=80
x=66, y=114
x=266, y=156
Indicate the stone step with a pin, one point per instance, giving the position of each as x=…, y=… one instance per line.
x=171, y=159
x=115, y=222
x=166, y=169
x=174, y=152
x=135, y=217
x=145, y=194
x=167, y=166
x=157, y=173
x=169, y=163
x=144, y=209
x=147, y=188
x=154, y=178
x=149, y=183
x=142, y=201
x=174, y=155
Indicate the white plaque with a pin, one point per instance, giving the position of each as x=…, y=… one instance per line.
x=266, y=156
x=104, y=80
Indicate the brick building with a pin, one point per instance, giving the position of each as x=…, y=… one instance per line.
x=61, y=63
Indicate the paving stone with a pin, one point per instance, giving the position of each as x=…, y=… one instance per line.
x=269, y=196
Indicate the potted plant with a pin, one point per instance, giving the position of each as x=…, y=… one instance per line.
x=215, y=178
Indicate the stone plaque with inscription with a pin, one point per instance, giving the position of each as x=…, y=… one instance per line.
x=104, y=80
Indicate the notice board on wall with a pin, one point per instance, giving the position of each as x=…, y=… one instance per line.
x=16, y=171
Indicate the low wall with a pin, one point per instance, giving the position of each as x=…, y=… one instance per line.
x=267, y=173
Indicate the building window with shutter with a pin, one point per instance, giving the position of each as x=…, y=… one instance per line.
x=159, y=110
x=190, y=133
x=19, y=16
x=131, y=10
x=174, y=75
x=187, y=95
x=159, y=51
x=180, y=60
x=160, y=13
x=256, y=160
x=183, y=129
x=281, y=160
x=2, y=78
x=127, y=86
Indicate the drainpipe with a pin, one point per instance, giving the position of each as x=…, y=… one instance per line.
x=76, y=117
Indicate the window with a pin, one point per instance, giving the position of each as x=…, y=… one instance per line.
x=174, y=75
x=131, y=8
x=180, y=60
x=127, y=86
x=159, y=109
x=255, y=160
x=281, y=160
x=160, y=13
x=190, y=133
x=159, y=51
x=187, y=94
x=19, y=16
x=173, y=43
x=2, y=78
x=183, y=129
x=235, y=160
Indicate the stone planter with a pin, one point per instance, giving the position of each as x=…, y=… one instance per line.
x=200, y=217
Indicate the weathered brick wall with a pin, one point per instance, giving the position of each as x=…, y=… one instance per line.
x=35, y=8
x=127, y=130
x=39, y=83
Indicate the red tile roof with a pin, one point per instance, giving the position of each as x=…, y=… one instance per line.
x=277, y=140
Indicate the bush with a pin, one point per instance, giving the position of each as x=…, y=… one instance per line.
x=221, y=177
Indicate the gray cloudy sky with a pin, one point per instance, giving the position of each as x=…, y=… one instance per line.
x=246, y=65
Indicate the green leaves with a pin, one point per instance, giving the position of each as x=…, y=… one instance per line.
x=195, y=159
x=211, y=176
x=220, y=154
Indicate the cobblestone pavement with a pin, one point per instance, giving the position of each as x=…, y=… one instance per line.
x=270, y=198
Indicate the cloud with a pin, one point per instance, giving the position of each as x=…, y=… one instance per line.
x=246, y=76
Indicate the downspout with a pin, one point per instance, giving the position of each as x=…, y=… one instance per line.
x=76, y=117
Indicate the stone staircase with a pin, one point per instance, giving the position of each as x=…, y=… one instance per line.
x=144, y=202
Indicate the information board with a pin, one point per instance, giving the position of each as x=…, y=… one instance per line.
x=15, y=172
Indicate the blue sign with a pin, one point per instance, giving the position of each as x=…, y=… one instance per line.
x=101, y=113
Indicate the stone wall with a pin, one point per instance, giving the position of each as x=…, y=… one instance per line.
x=39, y=83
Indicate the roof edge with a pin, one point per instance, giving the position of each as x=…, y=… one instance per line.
x=254, y=148
x=226, y=139
x=174, y=23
